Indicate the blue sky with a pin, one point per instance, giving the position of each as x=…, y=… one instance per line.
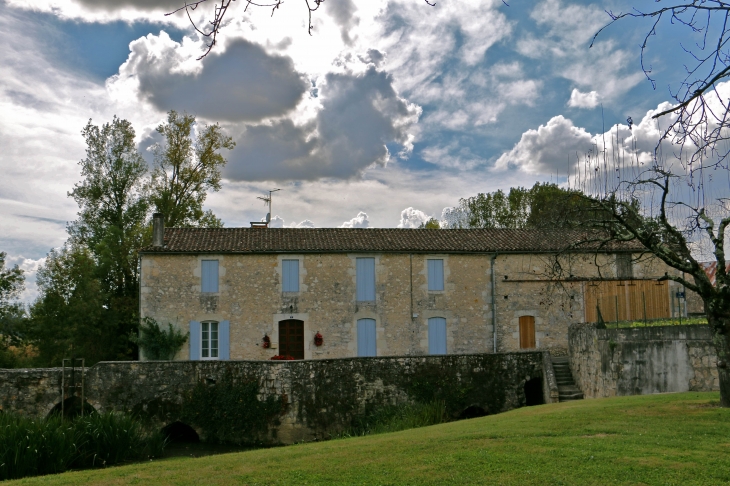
x=390, y=112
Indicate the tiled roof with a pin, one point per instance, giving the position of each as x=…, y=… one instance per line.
x=352, y=240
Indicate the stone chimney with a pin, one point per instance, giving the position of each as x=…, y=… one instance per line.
x=158, y=230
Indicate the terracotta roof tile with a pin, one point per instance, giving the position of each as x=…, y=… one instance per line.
x=354, y=240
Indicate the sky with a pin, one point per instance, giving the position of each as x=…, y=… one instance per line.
x=385, y=116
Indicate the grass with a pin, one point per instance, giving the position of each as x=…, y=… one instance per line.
x=397, y=418
x=674, y=321
x=658, y=439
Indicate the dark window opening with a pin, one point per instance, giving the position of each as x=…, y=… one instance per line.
x=624, y=268
x=533, y=392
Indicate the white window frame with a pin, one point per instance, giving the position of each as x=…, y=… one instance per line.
x=207, y=327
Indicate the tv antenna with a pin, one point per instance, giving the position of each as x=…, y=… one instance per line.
x=267, y=201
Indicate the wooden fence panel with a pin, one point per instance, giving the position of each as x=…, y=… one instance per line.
x=626, y=300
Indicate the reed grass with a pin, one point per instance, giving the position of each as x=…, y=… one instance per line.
x=30, y=447
x=398, y=417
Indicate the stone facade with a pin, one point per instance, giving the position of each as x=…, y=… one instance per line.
x=251, y=298
x=322, y=397
x=641, y=361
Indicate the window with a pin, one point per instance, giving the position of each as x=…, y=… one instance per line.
x=435, y=275
x=290, y=275
x=623, y=266
x=437, y=335
x=366, y=344
x=209, y=276
x=208, y=340
x=527, y=332
x=365, y=279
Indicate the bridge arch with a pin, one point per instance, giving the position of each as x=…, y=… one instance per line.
x=71, y=408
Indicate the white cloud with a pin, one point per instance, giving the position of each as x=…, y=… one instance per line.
x=304, y=224
x=412, y=218
x=30, y=269
x=583, y=100
x=359, y=221
x=549, y=149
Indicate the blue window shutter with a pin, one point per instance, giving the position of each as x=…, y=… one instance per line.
x=290, y=275
x=194, y=340
x=209, y=276
x=437, y=335
x=365, y=269
x=435, y=275
x=224, y=340
x=366, y=344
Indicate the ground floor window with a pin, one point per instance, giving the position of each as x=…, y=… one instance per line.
x=209, y=340
x=366, y=342
x=437, y=335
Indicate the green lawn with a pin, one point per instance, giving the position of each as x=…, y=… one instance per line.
x=659, y=439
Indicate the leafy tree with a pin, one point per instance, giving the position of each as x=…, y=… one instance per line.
x=186, y=168
x=432, y=223
x=12, y=313
x=543, y=206
x=112, y=222
x=68, y=320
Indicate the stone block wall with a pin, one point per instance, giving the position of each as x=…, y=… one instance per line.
x=640, y=361
x=322, y=396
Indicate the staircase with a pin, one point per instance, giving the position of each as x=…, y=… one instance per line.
x=566, y=386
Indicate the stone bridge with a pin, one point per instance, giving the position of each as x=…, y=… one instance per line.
x=321, y=397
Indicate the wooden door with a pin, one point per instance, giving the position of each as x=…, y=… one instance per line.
x=291, y=338
x=527, y=332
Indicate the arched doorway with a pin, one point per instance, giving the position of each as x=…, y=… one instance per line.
x=291, y=338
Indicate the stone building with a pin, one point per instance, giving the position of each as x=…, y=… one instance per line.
x=253, y=293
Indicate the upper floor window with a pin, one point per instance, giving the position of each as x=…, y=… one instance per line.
x=365, y=279
x=209, y=276
x=435, y=275
x=208, y=340
x=290, y=275
x=624, y=266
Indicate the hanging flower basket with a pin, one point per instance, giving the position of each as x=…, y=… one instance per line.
x=281, y=357
x=318, y=339
x=266, y=342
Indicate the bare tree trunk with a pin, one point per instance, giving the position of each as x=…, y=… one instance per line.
x=721, y=339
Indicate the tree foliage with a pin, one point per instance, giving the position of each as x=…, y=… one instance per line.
x=545, y=205
x=186, y=168
x=12, y=314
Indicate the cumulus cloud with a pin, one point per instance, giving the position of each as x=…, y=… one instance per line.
x=278, y=222
x=239, y=83
x=359, y=221
x=583, y=100
x=412, y=218
x=359, y=115
x=548, y=149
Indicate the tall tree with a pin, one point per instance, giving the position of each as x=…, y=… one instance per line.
x=686, y=210
x=12, y=312
x=186, y=168
x=113, y=207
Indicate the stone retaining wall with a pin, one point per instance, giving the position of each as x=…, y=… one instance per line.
x=322, y=396
x=641, y=361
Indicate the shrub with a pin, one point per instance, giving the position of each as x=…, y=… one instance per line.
x=158, y=343
x=30, y=447
x=230, y=411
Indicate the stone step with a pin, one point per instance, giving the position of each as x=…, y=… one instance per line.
x=567, y=390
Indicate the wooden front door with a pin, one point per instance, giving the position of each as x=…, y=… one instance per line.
x=527, y=332
x=291, y=338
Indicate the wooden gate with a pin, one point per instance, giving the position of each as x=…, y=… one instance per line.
x=626, y=300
